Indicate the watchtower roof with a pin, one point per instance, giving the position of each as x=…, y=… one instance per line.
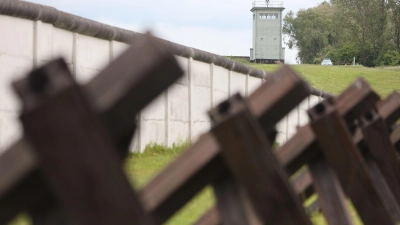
x=263, y=4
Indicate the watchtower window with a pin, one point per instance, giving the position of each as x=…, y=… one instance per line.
x=269, y=16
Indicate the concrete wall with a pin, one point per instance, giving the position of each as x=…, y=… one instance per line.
x=180, y=113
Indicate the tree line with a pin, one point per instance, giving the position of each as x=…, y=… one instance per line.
x=342, y=29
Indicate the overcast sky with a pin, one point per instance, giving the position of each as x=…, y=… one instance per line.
x=219, y=26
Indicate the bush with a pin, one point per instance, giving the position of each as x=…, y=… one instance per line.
x=316, y=60
x=345, y=53
x=389, y=58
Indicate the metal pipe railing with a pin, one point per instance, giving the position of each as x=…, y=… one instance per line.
x=272, y=4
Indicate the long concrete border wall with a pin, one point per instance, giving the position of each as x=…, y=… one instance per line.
x=33, y=34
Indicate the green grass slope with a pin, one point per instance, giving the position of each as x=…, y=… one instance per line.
x=141, y=167
x=335, y=79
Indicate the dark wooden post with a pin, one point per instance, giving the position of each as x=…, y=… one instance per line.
x=248, y=155
x=372, y=203
x=114, y=95
x=380, y=150
x=389, y=112
x=77, y=157
x=269, y=104
x=331, y=198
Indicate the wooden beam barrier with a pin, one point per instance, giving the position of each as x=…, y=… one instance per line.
x=80, y=162
x=374, y=205
x=352, y=103
x=349, y=147
x=164, y=195
x=388, y=113
x=248, y=155
x=114, y=95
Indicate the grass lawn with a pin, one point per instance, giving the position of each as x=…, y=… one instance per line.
x=142, y=167
x=335, y=79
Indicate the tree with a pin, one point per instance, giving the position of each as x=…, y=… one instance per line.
x=310, y=31
x=394, y=21
x=343, y=29
x=367, y=20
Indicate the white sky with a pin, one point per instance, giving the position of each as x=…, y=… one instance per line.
x=218, y=26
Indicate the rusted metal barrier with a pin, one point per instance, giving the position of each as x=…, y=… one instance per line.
x=202, y=163
x=303, y=147
x=67, y=169
x=388, y=112
x=119, y=92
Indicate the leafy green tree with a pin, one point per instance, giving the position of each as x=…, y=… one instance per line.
x=367, y=23
x=389, y=58
x=342, y=29
x=345, y=53
x=394, y=21
x=310, y=31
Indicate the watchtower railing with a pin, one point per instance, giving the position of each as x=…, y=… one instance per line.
x=268, y=4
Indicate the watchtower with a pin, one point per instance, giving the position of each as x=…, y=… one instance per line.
x=267, y=32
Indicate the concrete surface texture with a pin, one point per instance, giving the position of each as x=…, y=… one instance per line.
x=267, y=33
x=177, y=115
